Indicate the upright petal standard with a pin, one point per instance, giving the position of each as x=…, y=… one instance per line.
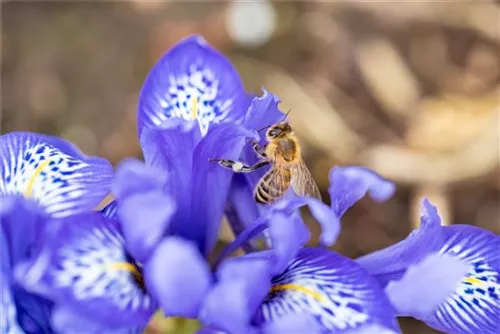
x=192, y=84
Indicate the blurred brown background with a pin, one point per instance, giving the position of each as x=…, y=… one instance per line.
x=410, y=89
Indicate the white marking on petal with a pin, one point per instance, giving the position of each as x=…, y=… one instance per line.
x=193, y=96
x=475, y=305
x=237, y=166
x=57, y=181
x=339, y=299
x=95, y=266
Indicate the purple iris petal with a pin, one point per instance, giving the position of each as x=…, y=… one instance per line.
x=370, y=329
x=210, y=330
x=293, y=324
x=283, y=208
x=389, y=263
x=226, y=307
x=330, y=224
x=53, y=173
x=33, y=311
x=22, y=222
x=84, y=265
x=242, y=284
x=349, y=184
x=110, y=210
x=209, y=185
x=244, y=237
x=8, y=321
x=241, y=202
x=192, y=81
x=143, y=208
x=171, y=151
x=5, y=264
x=290, y=233
x=144, y=219
x=241, y=209
x=133, y=176
x=178, y=276
x=67, y=321
x=192, y=179
x=474, y=307
x=417, y=293
x=332, y=288
x=263, y=111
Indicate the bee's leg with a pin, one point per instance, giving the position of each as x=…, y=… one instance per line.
x=240, y=167
x=259, y=150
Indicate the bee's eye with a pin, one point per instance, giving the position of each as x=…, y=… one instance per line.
x=274, y=132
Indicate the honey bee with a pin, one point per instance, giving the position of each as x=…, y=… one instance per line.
x=283, y=153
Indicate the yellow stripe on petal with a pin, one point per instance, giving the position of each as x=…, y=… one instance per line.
x=473, y=280
x=299, y=288
x=195, y=99
x=38, y=171
x=130, y=267
x=123, y=266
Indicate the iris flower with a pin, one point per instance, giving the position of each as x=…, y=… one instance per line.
x=41, y=178
x=461, y=297
x=263, y=291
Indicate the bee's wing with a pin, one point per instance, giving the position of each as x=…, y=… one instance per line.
x=272, y=185
x=303, y=182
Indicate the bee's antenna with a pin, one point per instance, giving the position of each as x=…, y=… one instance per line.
x=266, y=127
x=286, y=115
x=284, y=118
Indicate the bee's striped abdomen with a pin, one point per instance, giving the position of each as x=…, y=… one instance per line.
x=272, y=185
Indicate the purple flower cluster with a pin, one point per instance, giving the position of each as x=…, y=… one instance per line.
x=69, y=268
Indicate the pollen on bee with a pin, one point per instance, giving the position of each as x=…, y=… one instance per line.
x=237, y=166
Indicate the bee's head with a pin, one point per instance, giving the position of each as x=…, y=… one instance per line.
x=278, y=130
